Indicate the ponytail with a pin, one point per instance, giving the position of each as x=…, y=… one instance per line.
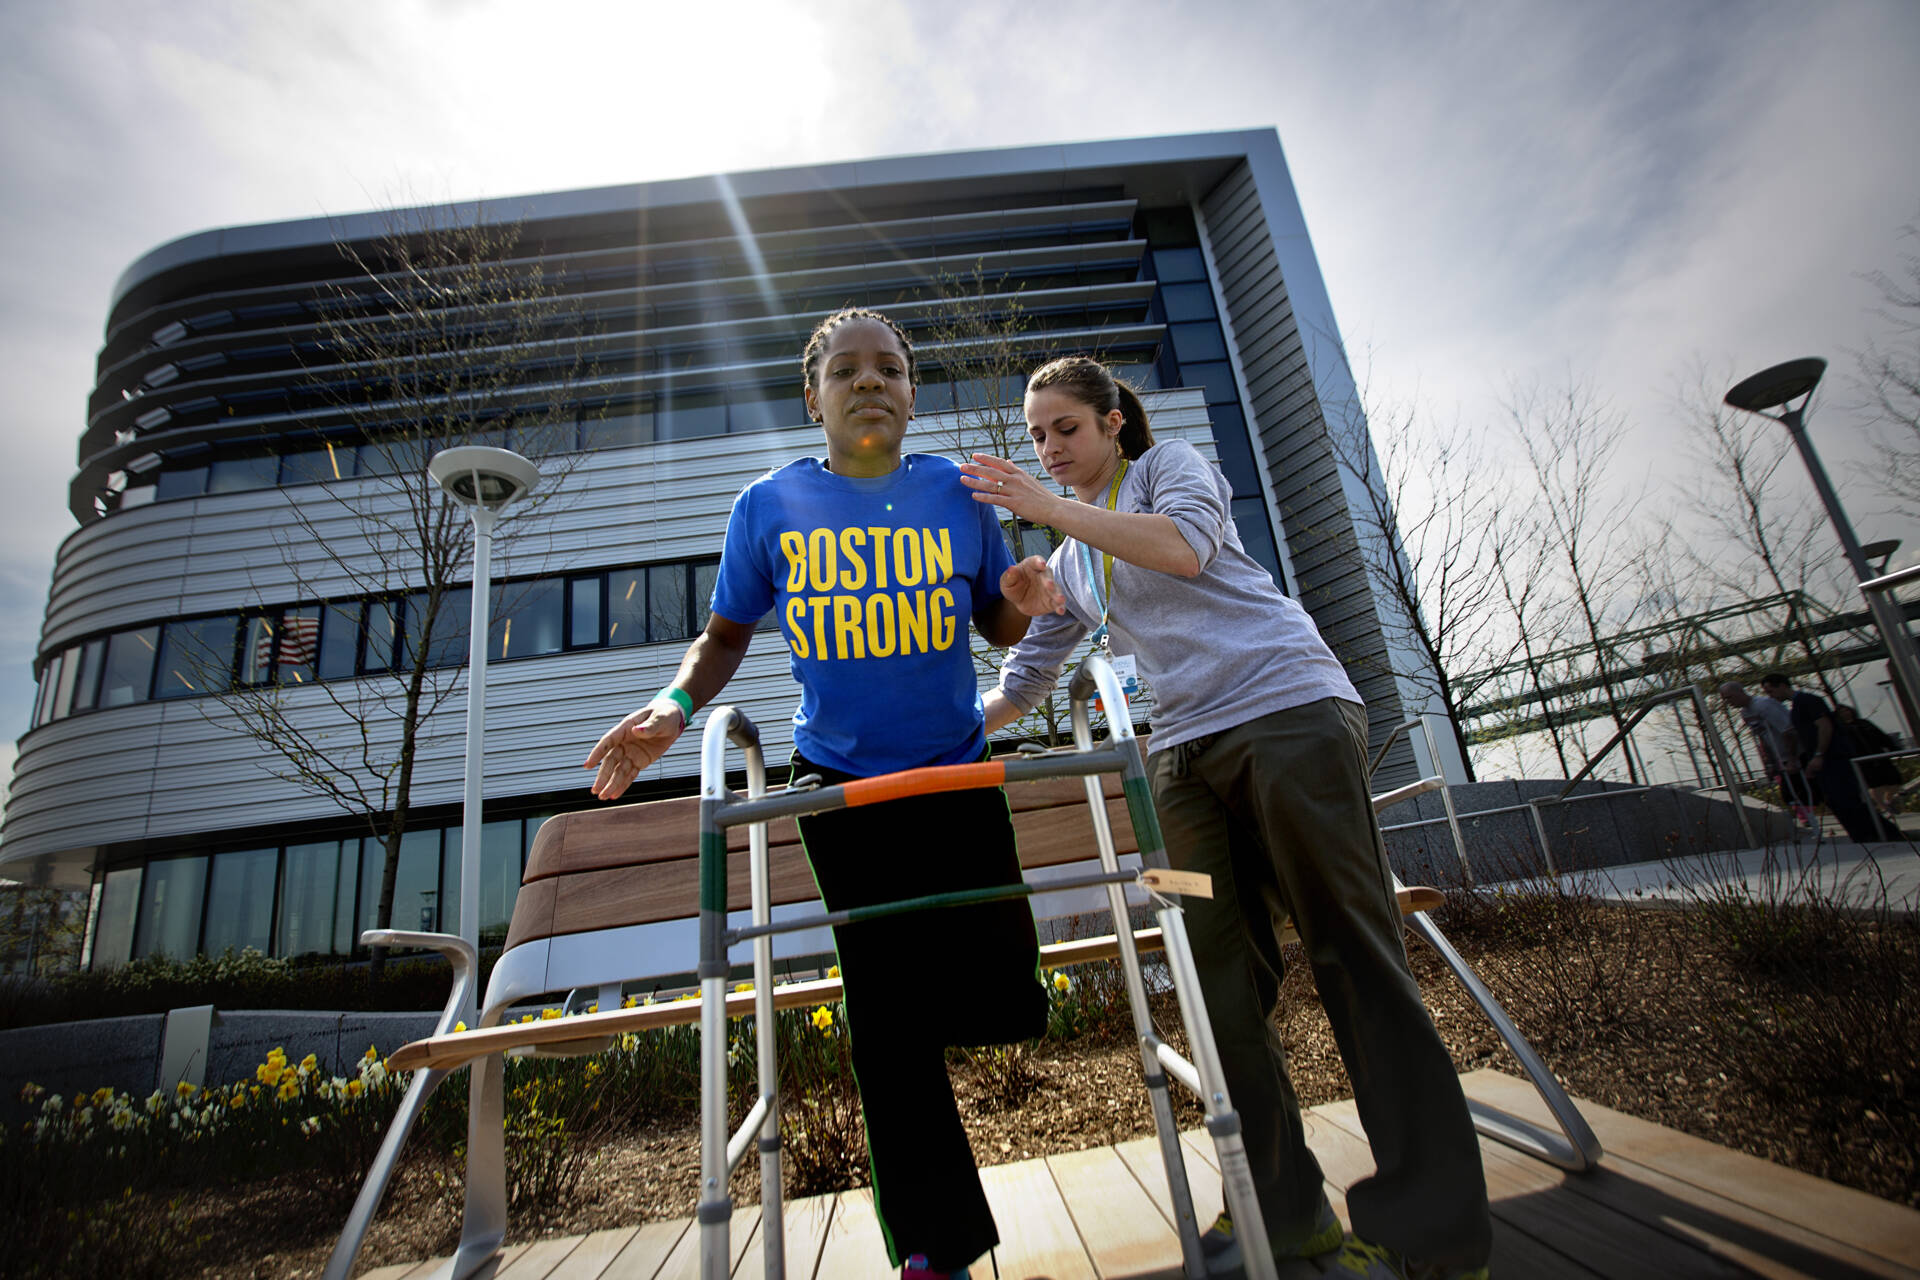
x=1089, y=382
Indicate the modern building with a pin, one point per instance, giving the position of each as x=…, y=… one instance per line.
x=207, y=459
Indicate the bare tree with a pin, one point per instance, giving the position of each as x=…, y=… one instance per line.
x=442, y=333
x=1761, y=532
x=1569, y=439
x=1431, y=525
x=1891, y=372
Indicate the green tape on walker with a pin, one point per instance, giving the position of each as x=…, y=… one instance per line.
x=1146, y=822
x=713, y=871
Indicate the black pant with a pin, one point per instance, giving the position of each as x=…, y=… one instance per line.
x=919, y=982
x=1841, y=789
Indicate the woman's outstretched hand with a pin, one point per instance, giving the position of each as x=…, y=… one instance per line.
x=633, y=744
x=1001, y=482
x=1029, y=587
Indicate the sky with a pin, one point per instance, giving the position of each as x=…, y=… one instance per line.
x=1500, y=192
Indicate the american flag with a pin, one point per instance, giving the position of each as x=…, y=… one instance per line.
x=299, y=640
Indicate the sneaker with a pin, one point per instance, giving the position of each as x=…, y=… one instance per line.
x=916, y=1268
x=1222, y=1250
x=1376, y=1262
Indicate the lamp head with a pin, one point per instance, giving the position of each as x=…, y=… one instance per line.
x=1773, y=387
x=479, y=476
x=1878, y=553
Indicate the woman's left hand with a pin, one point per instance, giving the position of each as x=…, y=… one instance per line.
x=1004, y=484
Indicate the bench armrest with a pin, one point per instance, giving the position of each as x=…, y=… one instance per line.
x=459, y=953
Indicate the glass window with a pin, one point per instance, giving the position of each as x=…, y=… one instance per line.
x=500, y=866
x=231, y=475
x=1179, y=264
x=381, y=637
x=764, y=412
x=129, y=673
x=527, y=620
x=49, y=682
x=1217, y=378
x=1200, y=341
x=170, y=908
x=1172, y=224
x=339, y=639
x=1235, y=449
x=934, y=395
x=667, y=602
x=139, y=493
x=69, y=676
x=705, y=575
x=627, y=606
x=311, y=466
x=196, y=656
x=447, y=637
x=377, y=458
x=688, y=417
x=181, y=482
x=240, y=901
x=617, y=429
x=299, y=645
x=113, y=932
x=416, y=884
x=316, y=901
x=1187, y=301
x=86, y=689
x=583, y=612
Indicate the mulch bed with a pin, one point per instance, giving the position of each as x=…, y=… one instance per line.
x=1648, y=1012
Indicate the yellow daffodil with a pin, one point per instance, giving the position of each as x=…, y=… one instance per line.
x=741, y=988
x=355, y=1088
x=548, y=1015
x=1061, y=982
x=833, y=971
x=823, y=1019
x=185, y=1089
x=459, y=1026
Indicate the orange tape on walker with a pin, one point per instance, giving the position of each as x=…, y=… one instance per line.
x=925, y=782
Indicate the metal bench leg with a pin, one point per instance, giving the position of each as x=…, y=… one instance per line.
x=484, y=1223
x=374, y=1189
x=1574, y=1148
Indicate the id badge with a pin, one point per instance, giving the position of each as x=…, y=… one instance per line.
x=1127, y=671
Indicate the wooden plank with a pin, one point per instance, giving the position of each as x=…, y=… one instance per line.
x=684, y=1262
x=1142, y=1158
x=1771, y=1198
x=854, y=1248
x=542, y=1258
x=1037, y=1236
x=1530, y=1195
x=1120, y=1228
x=650, y=1246
x=805, y=1223
x=596, y=1253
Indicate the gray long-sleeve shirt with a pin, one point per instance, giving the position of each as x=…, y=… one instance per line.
x=1217, y=649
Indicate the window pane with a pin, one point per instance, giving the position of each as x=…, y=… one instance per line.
x=1250, y=518
x=240, y=901
x=499, y=879
x=1187, y=301
x=316, y=901
x=129, y=672
x=1235, y=450
x=49, y=683
x=528, y=621
x=231, y=475
x=196, y=657
x=691, y=416
x=182, y=482
x=377, y=648
x=339, y=637
x=1217, y=378
x=256, y=650
x=113, y=934
x=617, y=430
x=627, y=606
x=87, y=689
x=311, y=466
x=299, y=645
x=583, y=612
x=69, y=675
x=705, y=575
x=1179, y=264
x=416, y=885
x=667, y=602
x=170, y=908
x=447, y=644
x=1200, y=341
x=379, y=458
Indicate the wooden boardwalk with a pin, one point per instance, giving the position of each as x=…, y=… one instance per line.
x=1662, y=1204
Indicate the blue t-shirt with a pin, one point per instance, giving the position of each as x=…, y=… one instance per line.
x=874, y=581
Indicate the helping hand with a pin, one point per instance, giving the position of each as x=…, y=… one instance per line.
x=1001, y=482
x=633, y=744
x=1029, y=587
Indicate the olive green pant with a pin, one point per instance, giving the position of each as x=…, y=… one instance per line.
x=1277, y=811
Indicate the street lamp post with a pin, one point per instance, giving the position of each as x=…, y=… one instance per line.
x=483, y=480
x=1777, y=388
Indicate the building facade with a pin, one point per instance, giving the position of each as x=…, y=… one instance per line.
x=209, y=463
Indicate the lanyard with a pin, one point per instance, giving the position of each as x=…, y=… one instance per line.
x=1102, y=596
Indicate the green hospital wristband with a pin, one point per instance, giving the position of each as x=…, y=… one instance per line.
x=679, y=699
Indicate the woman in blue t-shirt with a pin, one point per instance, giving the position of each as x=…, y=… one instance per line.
x=874, y=563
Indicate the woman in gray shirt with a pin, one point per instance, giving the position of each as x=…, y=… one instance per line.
x=1258, y=761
